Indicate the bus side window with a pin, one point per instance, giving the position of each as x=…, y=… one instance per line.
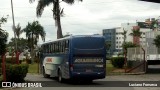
x=63, y=46
x=53, y=48
x=44, y=49
x=56, y=47
x=59, y=46
x=49, y=48
x=66, y=46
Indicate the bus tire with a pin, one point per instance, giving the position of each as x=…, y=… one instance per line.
x=44, y=74
x=60, y=79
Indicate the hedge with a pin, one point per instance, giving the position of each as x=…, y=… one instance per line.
x=118, y=62
x=1, y=78
x=16, y=73
x=9, y=60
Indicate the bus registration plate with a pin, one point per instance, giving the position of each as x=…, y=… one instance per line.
x=89, y=70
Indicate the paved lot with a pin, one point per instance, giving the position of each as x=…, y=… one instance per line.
x=102, y=84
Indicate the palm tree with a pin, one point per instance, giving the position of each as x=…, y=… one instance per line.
x=33, y=31
x=124, y=35
x=57, y=11
x=18, y=30
x=157, y=42
x=124, y=39
x=136, y=35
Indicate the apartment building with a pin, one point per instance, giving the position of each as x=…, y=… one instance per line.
x=114, y=35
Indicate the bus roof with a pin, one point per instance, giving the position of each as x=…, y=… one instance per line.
x=72, y=36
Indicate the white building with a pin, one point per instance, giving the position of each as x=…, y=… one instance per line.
x=119, y=38
x=151, y=49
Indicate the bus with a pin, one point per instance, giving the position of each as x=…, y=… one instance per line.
x=81, y=57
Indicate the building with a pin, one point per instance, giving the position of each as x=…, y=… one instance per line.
x=109, y=35
x=115, y=38
x=151, y=49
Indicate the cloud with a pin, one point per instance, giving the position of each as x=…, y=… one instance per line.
x=87, y=17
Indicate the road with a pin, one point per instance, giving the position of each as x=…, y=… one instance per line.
x=109, y=83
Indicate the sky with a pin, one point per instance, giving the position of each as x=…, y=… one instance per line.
x=82, y=18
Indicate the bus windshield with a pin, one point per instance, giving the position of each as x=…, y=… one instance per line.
x=88, y=43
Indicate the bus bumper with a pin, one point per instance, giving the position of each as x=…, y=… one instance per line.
x=84, y=75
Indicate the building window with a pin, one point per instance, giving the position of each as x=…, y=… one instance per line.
x=117, y=42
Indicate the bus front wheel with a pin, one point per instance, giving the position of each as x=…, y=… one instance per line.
x=60, y=79
x=44, y=74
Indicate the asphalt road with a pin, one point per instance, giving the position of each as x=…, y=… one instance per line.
x=113, y=82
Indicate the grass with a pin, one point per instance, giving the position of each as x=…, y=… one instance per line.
x=1, y=78
x=33, y=68
x=109, y=68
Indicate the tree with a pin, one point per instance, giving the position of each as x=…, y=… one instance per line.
x=124, y=35
x=33, y=31
x=128, y=45
x=22, y=43
x=57, y=11
x=108, y=46
x=124, y=41
x=3, y=36
x=18, y=30
x=136, y=33
x=157, y=42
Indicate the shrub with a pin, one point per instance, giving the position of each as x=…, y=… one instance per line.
x=9, y=60
x=118, y=62
x=129, y=64
x=28, y=61
x=36, y=59
x=16, y=73
x=1, y=78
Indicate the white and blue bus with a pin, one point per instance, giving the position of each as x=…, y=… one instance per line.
x=75, y=57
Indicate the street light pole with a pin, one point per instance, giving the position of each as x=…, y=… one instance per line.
x=14, y=26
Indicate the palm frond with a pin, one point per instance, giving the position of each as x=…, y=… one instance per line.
x=41, y=5
x=71, y=1
x=62, y=12
x=31, y=1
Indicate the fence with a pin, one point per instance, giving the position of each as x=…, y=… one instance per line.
x=136, y=60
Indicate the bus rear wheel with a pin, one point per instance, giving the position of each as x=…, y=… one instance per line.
x=44, y=74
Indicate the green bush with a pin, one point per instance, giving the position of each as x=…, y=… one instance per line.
x=118, y=62
x=1, y=78
x=16, y=73
x=10, y=60
x=129, y=64
x=28, y=61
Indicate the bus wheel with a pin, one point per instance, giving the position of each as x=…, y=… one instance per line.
x=44, y=74
x=60, y=79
